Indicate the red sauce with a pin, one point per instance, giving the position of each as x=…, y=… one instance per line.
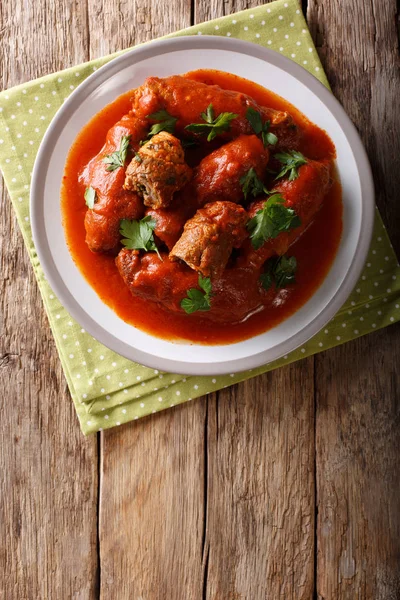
x=314, y=251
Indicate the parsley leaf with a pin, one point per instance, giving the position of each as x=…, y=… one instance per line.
x=208, y=116
x=284, y=271
x=117, y=159
x=251, y=184
x=291, y=161
x=255, y=120
x=280, y=270
x=266, y=280
x=198, y=300
x=138, y=235
x=165, y=122
x=90, y=197
x=269, y=138
x=205, y=284
x=213, y=126
x=271, y=220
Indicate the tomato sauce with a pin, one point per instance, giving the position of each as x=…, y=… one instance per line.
x=314, y=251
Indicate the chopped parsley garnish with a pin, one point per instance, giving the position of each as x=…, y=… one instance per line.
x=198, y=300
x=138, y=235
x=165, y=122
x=291, y=161
x=212, y=126
x=117, y=159
x=284, y=271
x=279, y=270
x=266, y=280
x=251, y=184
x=268, y=137
x=271, y=220
x=90, y=197
x=255, y=120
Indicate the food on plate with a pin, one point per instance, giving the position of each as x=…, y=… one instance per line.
x=158, y=170
x=202, y=207
x=169, y=222
x=302, y=197
x=208, y=238
x=218, y=175
x=105, y=196
x=156, y=279
x=202, y=109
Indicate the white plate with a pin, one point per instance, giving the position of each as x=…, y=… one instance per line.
x=174, y=56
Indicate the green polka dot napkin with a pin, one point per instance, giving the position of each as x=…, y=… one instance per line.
x=107, y=389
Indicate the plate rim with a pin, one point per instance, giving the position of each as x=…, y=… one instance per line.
x=165, y=46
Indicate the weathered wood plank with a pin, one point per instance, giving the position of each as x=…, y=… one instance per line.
x=41, y=38
x=358, y=471
x=118, y=25
x=151, y=516
x=205, y=11
x=358, y=388
x=229, y=512
x=48, y=471
x=259, y=539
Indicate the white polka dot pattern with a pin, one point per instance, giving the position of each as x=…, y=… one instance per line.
x=107, y=389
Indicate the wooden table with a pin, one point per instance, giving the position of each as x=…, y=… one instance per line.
x=286, y=486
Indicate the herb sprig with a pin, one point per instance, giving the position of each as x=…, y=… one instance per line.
x=198, y=300
x=291, y=162
x=279, y=270
x=212, y=125
x=90, y=197
x=165, y=122
x=251, y=184
x=117, y=159
x=271, y=220
x=138, y=235
x=255, y=120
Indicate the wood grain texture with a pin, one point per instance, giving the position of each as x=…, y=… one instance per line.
x=358, y=427
x=204, y=11
x=48, y=471
x=152, y=506
x=259, y=540
x=214, y=499
x=358, y=387
x=115, y=25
